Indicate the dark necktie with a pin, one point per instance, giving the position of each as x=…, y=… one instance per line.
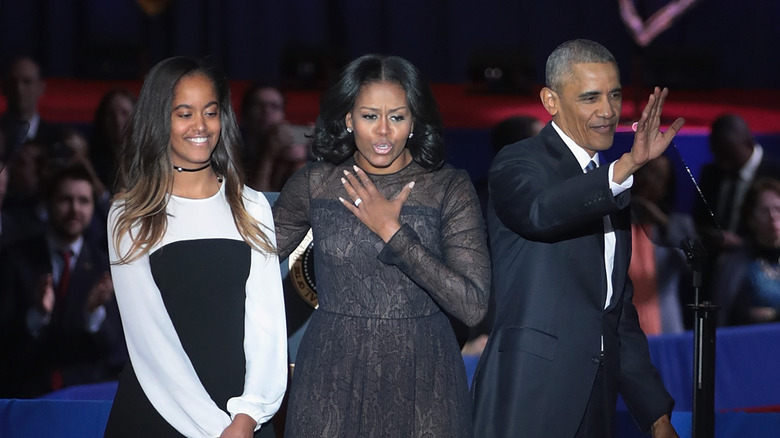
x=57, y=380
x=591, y=165
x=62, y=287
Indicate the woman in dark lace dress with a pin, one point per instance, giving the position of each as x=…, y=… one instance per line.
x=398, y=240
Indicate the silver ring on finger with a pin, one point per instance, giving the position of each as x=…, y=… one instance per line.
x=358, y=201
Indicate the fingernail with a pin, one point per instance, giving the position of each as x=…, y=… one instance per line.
x=356, y=168
x=341, y=199
x=343, y=181
x=411, y=184
x=346, y=172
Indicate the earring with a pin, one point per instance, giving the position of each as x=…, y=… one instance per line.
x=349, y=129
x=411, y=134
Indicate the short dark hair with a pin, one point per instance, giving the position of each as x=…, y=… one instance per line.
x=728, y=130
x=247, y=99
x=75, y=171
x=560, y=62
x=334, y=144
x=18, y=57
x=511, y=130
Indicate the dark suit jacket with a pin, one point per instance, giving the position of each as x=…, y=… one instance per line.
x=65, y=344
x=712, y=178
x=546, y=234
x=15, y=131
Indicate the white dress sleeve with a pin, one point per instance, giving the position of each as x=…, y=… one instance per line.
x=265, y=338
x=163, y=368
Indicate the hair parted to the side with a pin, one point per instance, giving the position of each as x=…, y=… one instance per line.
x=145, y=171
x=559, y=67
x=332, y=142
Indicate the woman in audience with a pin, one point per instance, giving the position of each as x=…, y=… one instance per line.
x=752, y=274
x=111, y=116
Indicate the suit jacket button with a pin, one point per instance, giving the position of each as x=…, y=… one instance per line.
x=595, y=360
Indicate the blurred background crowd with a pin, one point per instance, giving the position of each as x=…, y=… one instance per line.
x=58, y=320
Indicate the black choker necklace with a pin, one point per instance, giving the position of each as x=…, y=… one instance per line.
x=182, y=169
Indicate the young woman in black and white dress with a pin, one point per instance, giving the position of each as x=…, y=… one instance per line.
x=194, y=266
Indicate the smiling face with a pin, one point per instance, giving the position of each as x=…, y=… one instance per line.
x=588, y=107
x=195, y=123
x=381, y=121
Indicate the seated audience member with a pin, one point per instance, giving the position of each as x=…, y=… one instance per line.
x=25, y=210
x=76, y=150
x=108, y=124
x=76, y=145
x=262, y=107
x=748, y=280
x=60, y=320
x=283, y=155
x=23, y=86
x=658, y=267
x=272, y=150
x=6, y=223
x=738, y=161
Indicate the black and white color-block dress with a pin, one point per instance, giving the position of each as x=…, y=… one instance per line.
x=203, y=314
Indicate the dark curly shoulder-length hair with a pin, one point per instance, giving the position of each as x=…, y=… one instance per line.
x=332, y=142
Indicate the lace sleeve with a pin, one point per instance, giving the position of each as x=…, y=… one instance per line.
x=459, y=280
x=291, y=213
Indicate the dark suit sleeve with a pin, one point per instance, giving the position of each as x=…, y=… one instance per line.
x=532, y=200
x=640, y=384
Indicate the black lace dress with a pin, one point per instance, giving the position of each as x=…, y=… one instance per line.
x=379, y=357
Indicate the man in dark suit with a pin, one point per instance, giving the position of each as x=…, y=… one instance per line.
x=23, y=86
x=738, y=161
x=566, y=339
x=59, y=320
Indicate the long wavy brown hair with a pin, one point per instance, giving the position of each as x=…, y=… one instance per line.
x=145, y=171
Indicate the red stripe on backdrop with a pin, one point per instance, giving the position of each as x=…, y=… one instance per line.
x=74, y=101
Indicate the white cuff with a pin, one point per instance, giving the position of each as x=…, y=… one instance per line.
x=619, y=188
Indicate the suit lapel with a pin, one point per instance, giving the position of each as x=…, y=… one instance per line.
x=569, y=167
x=567, y=164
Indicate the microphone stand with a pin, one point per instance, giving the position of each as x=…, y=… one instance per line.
x=704, y=348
